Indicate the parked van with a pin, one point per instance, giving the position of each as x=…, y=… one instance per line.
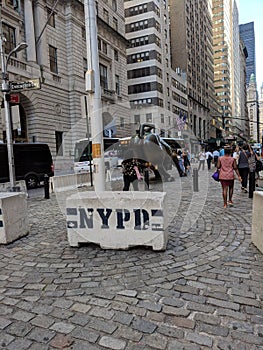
x=32, y=162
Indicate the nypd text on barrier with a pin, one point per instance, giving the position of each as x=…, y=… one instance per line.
x=141, y=219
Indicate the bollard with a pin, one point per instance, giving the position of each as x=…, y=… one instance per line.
x=195, y=180
x=46, y=186
x=146, y=179
x=252, y=184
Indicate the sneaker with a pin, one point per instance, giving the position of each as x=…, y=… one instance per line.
x=245, y=190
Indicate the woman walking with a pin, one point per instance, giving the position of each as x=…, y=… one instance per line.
x=243, y=167
x=227, y=165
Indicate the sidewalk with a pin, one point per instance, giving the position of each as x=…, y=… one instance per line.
x=204, y=292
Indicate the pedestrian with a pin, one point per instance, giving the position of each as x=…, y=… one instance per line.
x=131, y=170
x=226, y=166
x=236, y=153
x=209, y=158
x=186, y=162
x=215, y=157
x=252, y=164
x=243, y=167
x=221, y=152
x=201, y=157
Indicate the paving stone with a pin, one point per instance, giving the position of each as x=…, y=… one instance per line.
x=85, y=333
x=21, y=344
x=112, y=343
x=4, y=322
x=83, y=308
x=102, y=313
x=61, y=341
x=102, y=326
x=62, y=327
x=19, y=328
x=143, y=325
x=5, y=340
x=155, y=341
x=199, y=339
x=42, y=321
x=41, y=335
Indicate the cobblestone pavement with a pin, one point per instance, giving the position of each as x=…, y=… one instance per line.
x=204, y=292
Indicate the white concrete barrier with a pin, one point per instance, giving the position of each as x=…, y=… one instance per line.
x=69, y=181
x=257, y=222
x=21, y=185
x=118, y=220
x=13, y=216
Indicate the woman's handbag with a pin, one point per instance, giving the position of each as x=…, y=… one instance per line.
x=259, y=166
x=138, y=174
x=215, y=176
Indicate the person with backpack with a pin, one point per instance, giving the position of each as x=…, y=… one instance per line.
x=243, y=167
x=209, y=158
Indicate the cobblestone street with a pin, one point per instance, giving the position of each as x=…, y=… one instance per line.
x=204, y=292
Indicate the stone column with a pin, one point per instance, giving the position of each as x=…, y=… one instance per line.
x=30, y=31
x=41, y=44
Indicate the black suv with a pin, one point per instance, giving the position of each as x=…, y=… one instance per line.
x=32, y=162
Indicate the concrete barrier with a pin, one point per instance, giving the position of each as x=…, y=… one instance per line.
x=69, y=181
x=21, y=185
x=118, y=220
x=257, y=222
x=13, y=216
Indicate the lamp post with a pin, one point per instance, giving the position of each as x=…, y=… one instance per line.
x=94, y=93
x=6, y=95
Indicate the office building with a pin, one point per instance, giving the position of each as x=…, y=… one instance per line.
x=192, y=51
x=157, y=93
x=247, y=34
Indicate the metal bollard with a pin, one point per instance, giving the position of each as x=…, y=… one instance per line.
x=46, y=186
x=252, y=184
x=195, y=180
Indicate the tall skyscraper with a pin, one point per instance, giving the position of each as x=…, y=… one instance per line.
x=192, y=51
x=157, y=94
x=248, y=36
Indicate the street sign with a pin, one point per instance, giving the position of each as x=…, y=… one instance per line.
x=14, y=98
x=25, y=85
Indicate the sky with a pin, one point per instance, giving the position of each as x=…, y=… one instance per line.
x=251, y=11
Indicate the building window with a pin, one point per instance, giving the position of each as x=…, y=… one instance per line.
x=117, y=85
x=104, y=47
x=15, y=4
x=122, y=122
x=103, y=76
x=85, y=66
x=59, y=143
x=51, y=18
x=149, y=117
x=114, y=5
x=115, y=23
x=116, y=55
x=10, y=36
x=162, y=118
x=53, y=59
x=137, y=118
x=106, y=15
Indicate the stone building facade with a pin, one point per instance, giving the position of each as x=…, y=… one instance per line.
x=57, y=55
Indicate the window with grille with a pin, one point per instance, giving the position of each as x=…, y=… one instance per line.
x=53, y=59
x=51, y=18
x=103, y=76
x=10, y=36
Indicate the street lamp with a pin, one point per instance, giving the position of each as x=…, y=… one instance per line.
x=6, y=95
